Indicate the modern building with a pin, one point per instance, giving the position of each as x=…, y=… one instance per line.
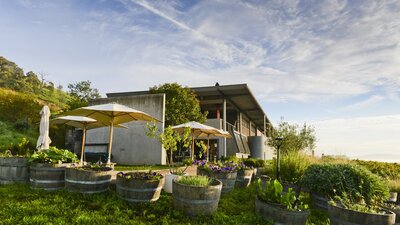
x=230, y=107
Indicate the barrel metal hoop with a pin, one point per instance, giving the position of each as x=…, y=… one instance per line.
x=343, y=221
x=139, y=190
x=52, y=169
x=46, y=181
x=197, y=202
x=88, y=182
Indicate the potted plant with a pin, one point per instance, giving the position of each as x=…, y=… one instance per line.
x=196, y=195
x=225, y=172
x=88, y=179
x=170, y=140
x=349, y=210
x=139, y=186
x=244, y=174
x=14, y=166
x=256, y=164
x=47, y=168
x=283, y=208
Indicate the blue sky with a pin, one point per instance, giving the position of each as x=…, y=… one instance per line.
x=333, y=64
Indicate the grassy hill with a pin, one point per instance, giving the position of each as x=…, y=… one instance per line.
x=21, y=98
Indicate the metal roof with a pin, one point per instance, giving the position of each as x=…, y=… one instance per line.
x=238, y=97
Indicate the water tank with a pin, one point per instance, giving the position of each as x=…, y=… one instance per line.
x=257, y=146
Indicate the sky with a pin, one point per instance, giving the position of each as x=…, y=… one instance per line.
x=332, y=64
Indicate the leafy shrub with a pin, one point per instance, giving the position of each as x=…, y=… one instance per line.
x=348, y=203
x=201, y=181
x=273, y=193
x=53, y=155
x=255, y=163
x=383, y=169
x=22, y=147
x=293, y=165
x=336, y=179
x=230, y=158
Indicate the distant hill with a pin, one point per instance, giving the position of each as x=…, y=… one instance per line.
x=21, y=98
x=379, y=157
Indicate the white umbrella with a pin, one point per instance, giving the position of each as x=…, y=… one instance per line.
x=85, y=123
x=44, y=140
x=111, y=114
x=200, y=130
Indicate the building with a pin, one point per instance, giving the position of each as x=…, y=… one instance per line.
x=230, y=107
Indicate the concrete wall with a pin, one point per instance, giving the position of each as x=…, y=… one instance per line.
x=132, y=146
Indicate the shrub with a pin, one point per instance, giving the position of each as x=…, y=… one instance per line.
x=293, y=165
x=254, y=162
x=201, y=181
x=53, y=155
x=336, y=179
x=383, y=169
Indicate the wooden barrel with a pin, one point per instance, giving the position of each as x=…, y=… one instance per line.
x=139, y=190
x=14, y=170
x=280, y=214
x=243, y=178
x=341, y=216
x=228, y=179
x=87, y=180
x=195, y=200
x=320, y=202
x=47, y=176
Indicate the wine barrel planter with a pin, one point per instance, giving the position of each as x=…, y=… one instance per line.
x=320, y=202
x=195, y=200
x=243, y=178
x=47, y=176
x=14, y=170
x=139, y=190
x=341, y=216
x=281, y=215
x=228, y=179
x=88, y=180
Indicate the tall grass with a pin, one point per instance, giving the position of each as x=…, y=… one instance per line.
x=292, y=166
x=201, y=181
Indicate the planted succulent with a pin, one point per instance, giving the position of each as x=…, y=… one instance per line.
x=151, y=176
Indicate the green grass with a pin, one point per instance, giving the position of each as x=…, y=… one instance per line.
x=21, y=205
x=200, y=181
x=141, y=167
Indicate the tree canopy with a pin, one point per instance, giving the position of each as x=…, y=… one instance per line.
x=81, y=93
x=295, y=137
x=181, y=104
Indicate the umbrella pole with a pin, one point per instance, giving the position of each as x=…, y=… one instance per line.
x=110, y=142
x=208, y=147
x=83, y=144
x=192, y=146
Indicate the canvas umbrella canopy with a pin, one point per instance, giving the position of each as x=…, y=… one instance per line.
x=198, y=130
x=111, y=114
x=82, y=122
x=44, y=140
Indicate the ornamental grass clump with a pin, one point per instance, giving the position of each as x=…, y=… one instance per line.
x=292, y=166
x=200, y=181
x=150, y=176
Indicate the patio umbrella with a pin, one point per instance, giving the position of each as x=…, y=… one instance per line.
x=200, y=130
x=82, y=122
x=44, y=140
x=111, y=114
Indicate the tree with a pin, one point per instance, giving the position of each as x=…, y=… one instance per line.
x=295, y=138
x=81, y=93
x=181, y=104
